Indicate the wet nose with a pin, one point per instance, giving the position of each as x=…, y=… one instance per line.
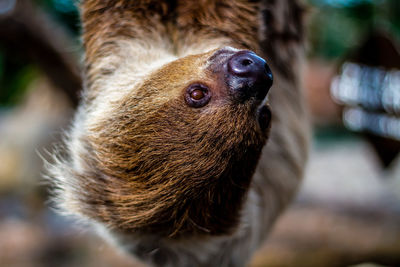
x=246, y=64
x=248, y=75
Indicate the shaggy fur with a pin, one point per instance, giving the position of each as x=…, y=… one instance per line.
x=172, y=184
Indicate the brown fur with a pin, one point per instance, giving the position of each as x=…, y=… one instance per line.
x=198, y=21
x=162, y=174
x=157, y=172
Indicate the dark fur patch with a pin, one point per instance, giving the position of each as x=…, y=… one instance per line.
x=237, y=20
x=283, y=33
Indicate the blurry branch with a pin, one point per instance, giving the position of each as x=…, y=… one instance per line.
x=31, y=33
x=315, y=234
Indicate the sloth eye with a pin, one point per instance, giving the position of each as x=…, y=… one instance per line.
x=197, y=95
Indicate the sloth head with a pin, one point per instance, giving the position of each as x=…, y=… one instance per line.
x=176, y=155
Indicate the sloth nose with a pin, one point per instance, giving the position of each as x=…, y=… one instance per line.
x=248, y=75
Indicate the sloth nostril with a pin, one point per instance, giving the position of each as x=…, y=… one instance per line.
x=246, y=62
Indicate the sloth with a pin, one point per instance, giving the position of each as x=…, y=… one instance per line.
x=179, y=153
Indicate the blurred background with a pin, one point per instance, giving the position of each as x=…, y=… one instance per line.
x=348, y=209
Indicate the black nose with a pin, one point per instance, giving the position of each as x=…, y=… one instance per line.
x=248, y=75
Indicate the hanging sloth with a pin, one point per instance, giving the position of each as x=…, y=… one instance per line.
x=180, y=152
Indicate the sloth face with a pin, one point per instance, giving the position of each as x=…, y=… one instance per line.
x=202, y=84
x=177, y=155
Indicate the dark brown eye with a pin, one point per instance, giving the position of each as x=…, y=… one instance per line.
x=197, y=95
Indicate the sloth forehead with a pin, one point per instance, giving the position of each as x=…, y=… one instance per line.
x=170, y=80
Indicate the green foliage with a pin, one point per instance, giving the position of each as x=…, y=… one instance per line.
x=339, y=26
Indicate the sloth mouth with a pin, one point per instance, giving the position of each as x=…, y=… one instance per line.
x=264, y=117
